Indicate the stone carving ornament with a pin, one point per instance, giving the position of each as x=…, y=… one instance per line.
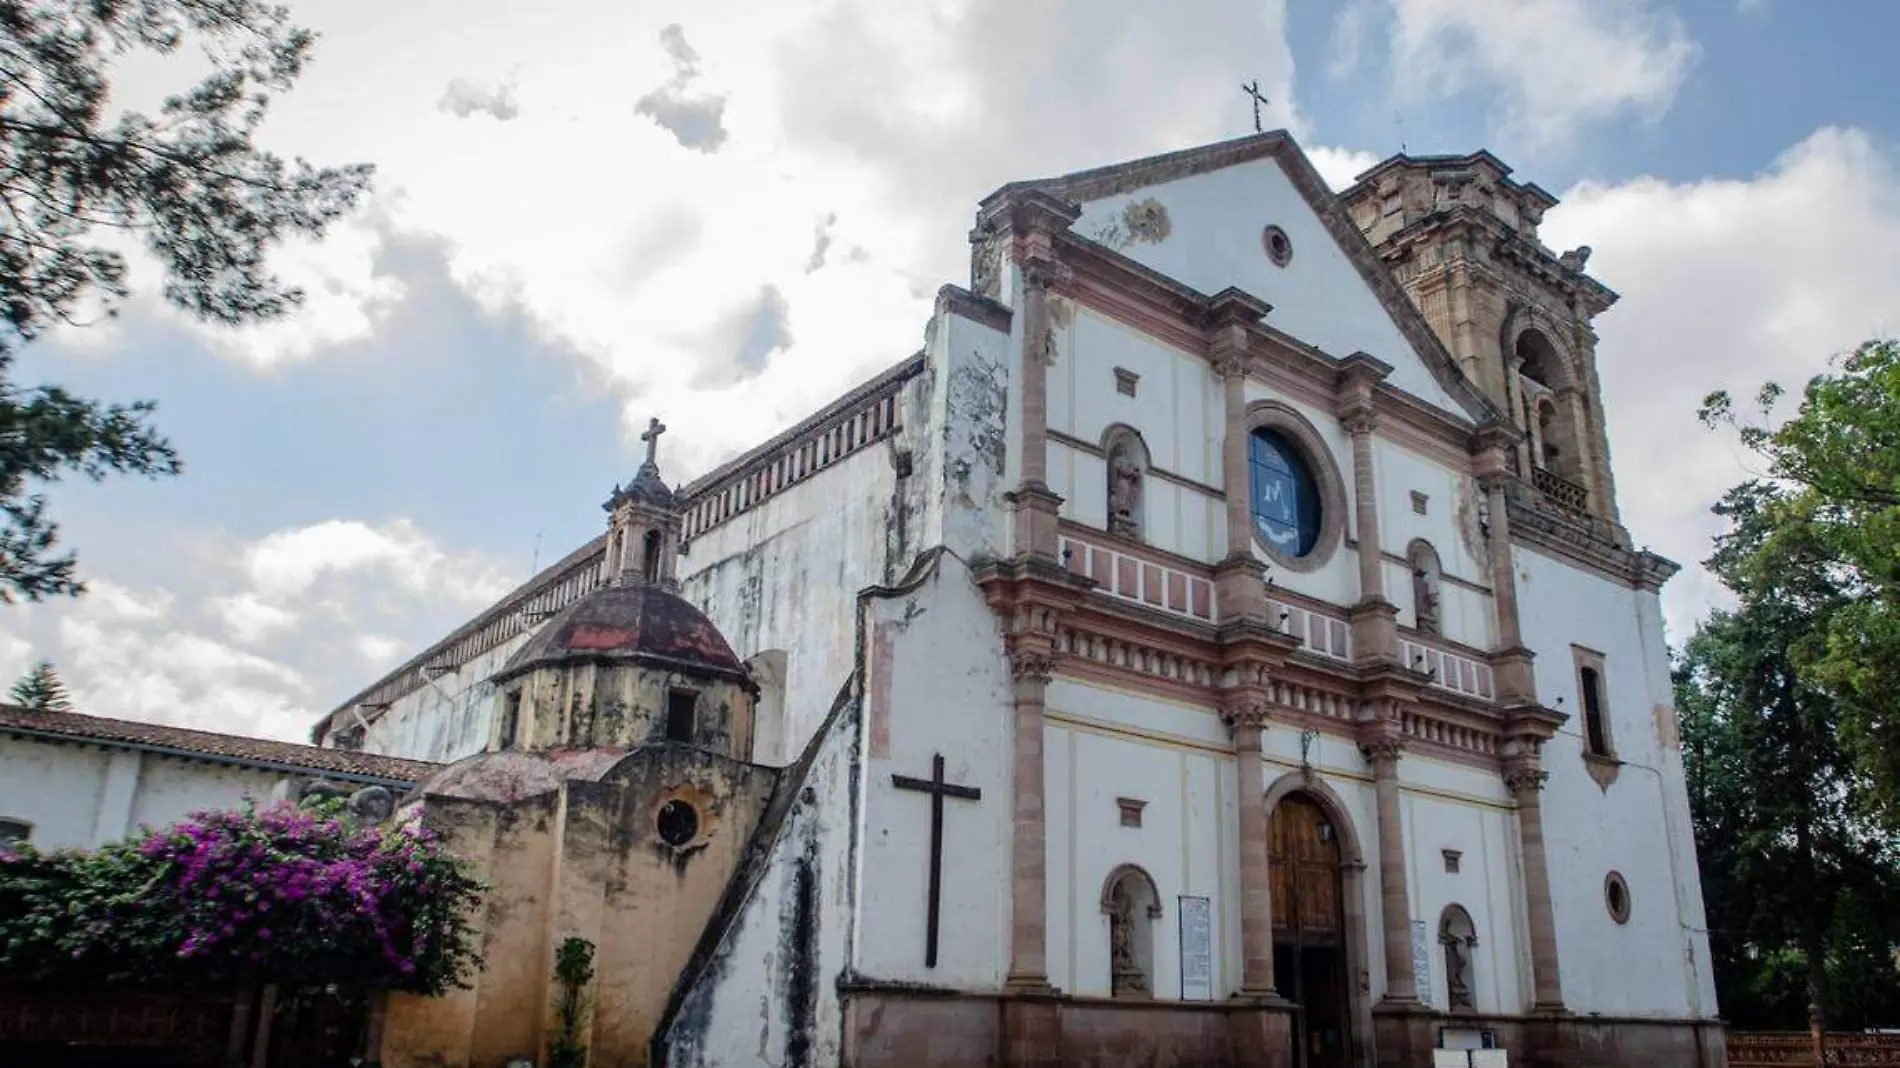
x=1127, y=976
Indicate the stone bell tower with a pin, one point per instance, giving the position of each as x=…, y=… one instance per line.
x=643, y=524
x=1461, y=237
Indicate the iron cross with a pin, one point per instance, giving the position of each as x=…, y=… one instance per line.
x=938, y=790
x=1252, y=89
x=652, y=437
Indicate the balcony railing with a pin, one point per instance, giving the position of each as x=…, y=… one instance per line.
x=1560, y=491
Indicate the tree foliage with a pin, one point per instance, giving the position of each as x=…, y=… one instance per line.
x=41, y=690
x=189, y=183
x=1802, y=891
x=1788, y=708
x=285, y=895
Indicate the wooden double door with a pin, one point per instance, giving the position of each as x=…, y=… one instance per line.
x=1309, y=931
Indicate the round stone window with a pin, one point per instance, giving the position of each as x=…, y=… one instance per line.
x=1279, y=248
x=1286, y=506
x=1616, y=897
x=678, y=823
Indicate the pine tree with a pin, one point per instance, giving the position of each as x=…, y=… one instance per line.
x=40, y=690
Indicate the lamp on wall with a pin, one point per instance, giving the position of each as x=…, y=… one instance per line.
x=1324, y=830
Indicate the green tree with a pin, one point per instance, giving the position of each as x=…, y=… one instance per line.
x=1839, y=459
x=188, y=183
x=1800, y=887
x=41, y=690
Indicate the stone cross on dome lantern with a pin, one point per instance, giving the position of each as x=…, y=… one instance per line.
x=643, y=524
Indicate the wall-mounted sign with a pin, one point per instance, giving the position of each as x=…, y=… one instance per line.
x=1197, y=950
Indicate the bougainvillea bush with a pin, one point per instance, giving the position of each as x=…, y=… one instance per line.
x=279, y=895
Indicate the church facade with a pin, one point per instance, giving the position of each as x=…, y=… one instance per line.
x=1219, y=645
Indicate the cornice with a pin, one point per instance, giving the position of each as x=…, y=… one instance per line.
x=1587, y=542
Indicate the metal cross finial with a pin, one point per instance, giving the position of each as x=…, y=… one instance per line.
x=1252, y=89
x=652, y=437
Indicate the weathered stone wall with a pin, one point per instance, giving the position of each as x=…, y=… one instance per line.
x=585, y=705
x=585, y=860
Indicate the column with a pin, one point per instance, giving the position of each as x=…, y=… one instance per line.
x=1375, y=625
x=1035, y=507
x=1511, y=662
x=1395, y=914
x=1526, y=783
x=1029, y=865
x=1238, y=585
x=1246, y=716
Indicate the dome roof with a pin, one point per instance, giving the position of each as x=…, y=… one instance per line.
x=633, y=623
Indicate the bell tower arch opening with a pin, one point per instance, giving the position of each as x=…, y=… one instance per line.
x=1460, y=236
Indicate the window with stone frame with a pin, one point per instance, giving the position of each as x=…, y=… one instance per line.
x=682, y=707
x=1593, y=708
x=511, y=721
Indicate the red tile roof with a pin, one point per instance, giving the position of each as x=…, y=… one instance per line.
x=208, y=745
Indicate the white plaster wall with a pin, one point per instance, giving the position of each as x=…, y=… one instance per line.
x=1657, y=963
x=948, y=692
x=1215, y=241
x=1466, y=614
x=744, y=1006
x=1187, y=825
x=84, y=796
x=786, y=575
x=1486, y=885
x=1177, y=410
x=447, y=718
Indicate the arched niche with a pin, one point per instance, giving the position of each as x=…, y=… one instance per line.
x=1427, y=586
x=1553, y=406
x=1458, y=941
x=1128, y=464
x=770, y=741
x=1274, y=427
x=1131, y=905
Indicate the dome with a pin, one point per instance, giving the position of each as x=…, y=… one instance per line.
x=631, y=623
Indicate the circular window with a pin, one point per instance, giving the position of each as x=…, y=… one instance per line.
x=1616, y=895
x=1279, y=249
x=1286, y=508
x=678, y=823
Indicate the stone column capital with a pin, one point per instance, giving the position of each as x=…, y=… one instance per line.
x=1359, y=418
x=1044, y=272
x=1033, y=665
x=1245, y=711
x=1382, y=752
x=1229, y=359
x=1525, y=781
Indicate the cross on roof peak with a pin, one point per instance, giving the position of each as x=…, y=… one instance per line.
x=652, y=437
x=1252, y=89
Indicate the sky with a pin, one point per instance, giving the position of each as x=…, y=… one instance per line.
x=725, y=213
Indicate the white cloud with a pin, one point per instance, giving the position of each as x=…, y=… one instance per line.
x=1339, y=166
x=254, y=638
x=1559, y=64
x=1726, y=283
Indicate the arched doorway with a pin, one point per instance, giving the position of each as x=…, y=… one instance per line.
x=1309, y=930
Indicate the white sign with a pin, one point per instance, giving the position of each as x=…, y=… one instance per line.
x=1197, y=950
x=1421, y=961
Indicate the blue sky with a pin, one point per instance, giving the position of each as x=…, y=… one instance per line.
x=726, y=215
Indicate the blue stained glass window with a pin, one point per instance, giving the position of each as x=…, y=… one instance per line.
x=1285, y=495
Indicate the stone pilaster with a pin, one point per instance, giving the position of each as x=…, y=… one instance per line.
x=1374, y=618
x=1239, y=579
x=1246, y=714
x=1394, y=910
x=1526, y=783
x=1032, y=664
x=1035, y=220
x=1511, y=661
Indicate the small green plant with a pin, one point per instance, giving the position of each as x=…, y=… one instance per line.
x=573, y=969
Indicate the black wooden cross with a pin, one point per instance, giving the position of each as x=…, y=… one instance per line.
x=938, y=790
x=1252, y=89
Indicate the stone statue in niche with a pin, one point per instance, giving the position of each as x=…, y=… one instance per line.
x=1124, y=491
x=1425, y=596
x=1126, y=974
x=1458, y=971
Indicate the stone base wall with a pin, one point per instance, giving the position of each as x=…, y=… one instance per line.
x=926, y=1029
x=891, y=1027
x=1561, y=1041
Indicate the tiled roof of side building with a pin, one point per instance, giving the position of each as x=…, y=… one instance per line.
x=72, y=727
